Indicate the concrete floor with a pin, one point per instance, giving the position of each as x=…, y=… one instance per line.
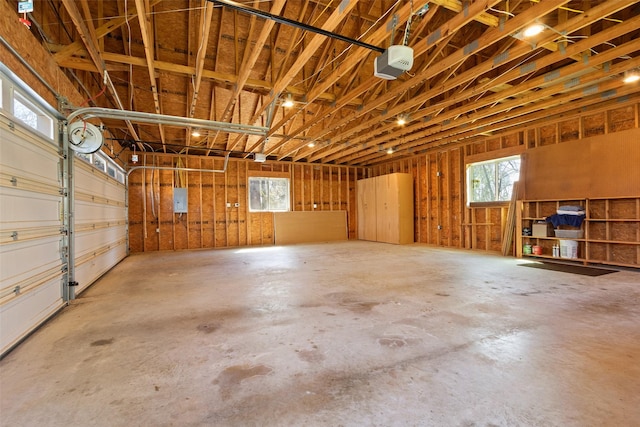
x=344, y=334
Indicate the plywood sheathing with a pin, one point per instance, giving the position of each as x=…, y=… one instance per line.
x=210, y=221
x=21, y=39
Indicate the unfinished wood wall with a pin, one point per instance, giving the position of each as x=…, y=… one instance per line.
x=441, y=214
x=213, y=219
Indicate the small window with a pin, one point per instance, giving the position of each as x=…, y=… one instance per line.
x=25, y=114
x=111, y=171
x=492, y=181
x=268, y=194
x=84, y=156
x=99, y=163
x=32, y=116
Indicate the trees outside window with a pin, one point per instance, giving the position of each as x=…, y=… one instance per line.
x=492, y=181
x=268, y=194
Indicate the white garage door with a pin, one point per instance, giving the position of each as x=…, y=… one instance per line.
x=42, y=251
x=32, y=255
x=100, y=217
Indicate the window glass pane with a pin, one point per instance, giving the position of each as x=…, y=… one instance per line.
x=508, y=173
x=25, y=114
x=268, y=194
x=99, y=163
x=111, y=171
x=278, y=194
x=492, y=181
x=83, y=156
x=482, y=182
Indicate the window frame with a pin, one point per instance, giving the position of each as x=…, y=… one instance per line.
x=268, y=179
x=470, y=185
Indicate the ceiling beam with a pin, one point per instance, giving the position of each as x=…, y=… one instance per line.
x=488, y=38
x=203, y=37
x=94, y=53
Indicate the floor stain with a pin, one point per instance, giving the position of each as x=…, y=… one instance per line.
x=208, y=328
x=442, y=294
x=99, y=343
x=392, y=342
x=231, y=377
x=310, y=356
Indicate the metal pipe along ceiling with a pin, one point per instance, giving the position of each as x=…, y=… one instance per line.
x=162, y=119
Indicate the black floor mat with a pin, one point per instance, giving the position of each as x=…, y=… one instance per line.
x=568, y=268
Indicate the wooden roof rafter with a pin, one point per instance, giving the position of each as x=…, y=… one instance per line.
x=431, y=111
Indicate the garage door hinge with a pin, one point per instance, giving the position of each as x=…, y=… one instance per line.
x=12, y=126
x=73, y=283
x=64, y=231
x=14, y=181
x=14, y=235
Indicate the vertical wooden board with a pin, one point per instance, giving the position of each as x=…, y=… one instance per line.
x=165, y=208
x=496, y=229
x=243, y=199
x=423, y=209
x=194, y=208
x=307, y=187
x=136, y=232
x=220, y=210
x=326, y=189
x=352, y=205
x=150, y=187
x=481, y=236
x=267, y=228
x=455, y=212
x=316, y=189
x=298, y=187
x=255, y=228
x=208, y=202
x=232, y=197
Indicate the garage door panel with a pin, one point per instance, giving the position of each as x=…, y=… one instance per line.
x=90, y=270
x=90, y=241
x=22, y=156
x=93, y=182
x=42, y=254
x=26, y=311
x=86, y=211
x=21, y=209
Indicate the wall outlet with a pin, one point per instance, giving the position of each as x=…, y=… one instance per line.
x=236, y=204
x=228, y=205
x=315, y=205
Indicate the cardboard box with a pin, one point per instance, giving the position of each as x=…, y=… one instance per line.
x=543, y=229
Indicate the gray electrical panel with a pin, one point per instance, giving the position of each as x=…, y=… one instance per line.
x=179, y=200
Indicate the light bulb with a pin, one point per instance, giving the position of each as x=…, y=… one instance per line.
x=288, y=103
x=631, y=77
x=195, y=133
x=533, y=30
